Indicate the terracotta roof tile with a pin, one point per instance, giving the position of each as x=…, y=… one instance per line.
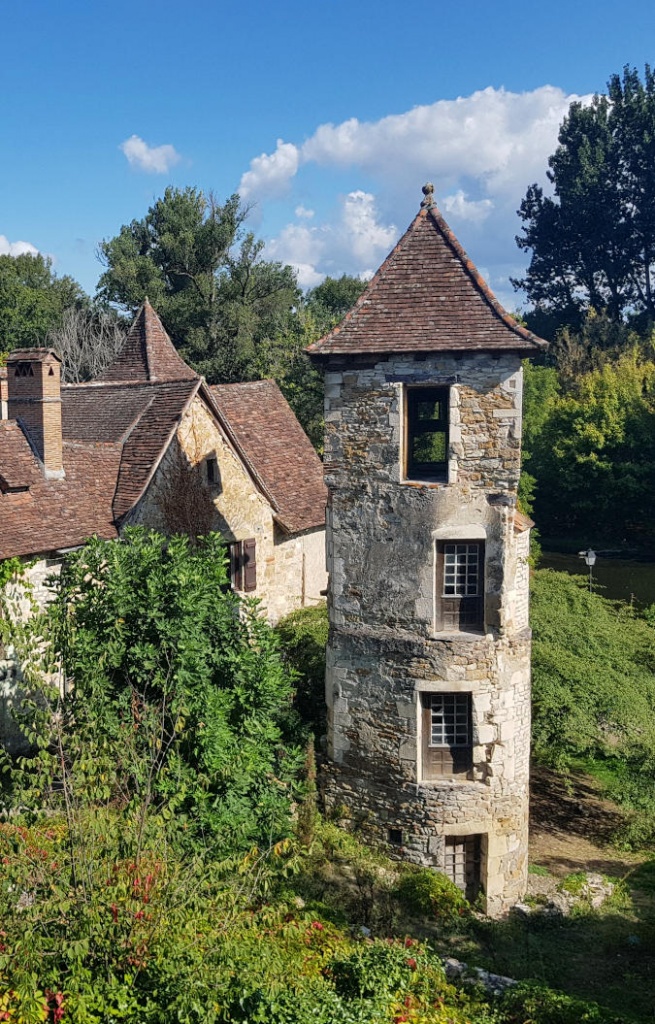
x=427, y=297
x=56, y=514
x=148, y=353
x=276, y=450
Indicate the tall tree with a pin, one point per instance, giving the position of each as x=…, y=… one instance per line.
x=592, y=242
x=33, y=300
x=217, y=296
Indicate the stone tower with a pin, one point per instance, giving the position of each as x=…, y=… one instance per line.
x=428, y=677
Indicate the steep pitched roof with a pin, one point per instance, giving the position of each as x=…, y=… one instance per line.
x=148, y=353
x=140, y=417
x=279, y=455
x=427, y=297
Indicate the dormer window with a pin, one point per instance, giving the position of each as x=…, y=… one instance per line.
x=426, y=433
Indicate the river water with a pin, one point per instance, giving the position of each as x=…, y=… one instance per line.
x=612, y=577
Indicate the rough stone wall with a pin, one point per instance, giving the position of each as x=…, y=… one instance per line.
x=179, y=497
x=384, y=650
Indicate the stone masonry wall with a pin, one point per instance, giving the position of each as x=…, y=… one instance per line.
x=384, y=650
x=232, y=506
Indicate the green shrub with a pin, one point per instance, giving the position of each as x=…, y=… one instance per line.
x=537, y=1004
x=303, y=638
x=428, y=892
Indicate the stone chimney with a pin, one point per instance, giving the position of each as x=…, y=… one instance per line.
x=3, y=392
x=34, y=399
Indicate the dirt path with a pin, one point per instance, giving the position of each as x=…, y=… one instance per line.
x=571, y=827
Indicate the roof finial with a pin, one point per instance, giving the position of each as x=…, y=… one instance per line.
x=428, y=191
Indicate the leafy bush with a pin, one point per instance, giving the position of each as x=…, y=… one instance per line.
x=432, y=894
x=303, y=638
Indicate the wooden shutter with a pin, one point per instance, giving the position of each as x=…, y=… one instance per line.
x=249, y=566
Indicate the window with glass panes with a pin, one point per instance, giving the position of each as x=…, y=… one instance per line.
x=460, y=585
x=426, y=433
x=462, y=863
x=447, y=729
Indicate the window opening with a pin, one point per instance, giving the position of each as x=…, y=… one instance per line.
x=462, y=863
x=395, y=837
x=212, y=470
x=447, y=734
x=460, y=585
x=427, y=433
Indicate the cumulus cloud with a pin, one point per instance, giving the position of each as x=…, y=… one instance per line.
x=152, y=159
x=466, y=209
x=300, y=211
x=8, y=248
x=481, y=151
x=270, y=173
x=354, y=241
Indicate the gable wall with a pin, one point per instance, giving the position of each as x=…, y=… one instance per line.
x=179, y=498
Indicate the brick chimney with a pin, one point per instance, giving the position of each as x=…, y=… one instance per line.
x=34, y=398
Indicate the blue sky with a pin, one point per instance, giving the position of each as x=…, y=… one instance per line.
x=328, y=116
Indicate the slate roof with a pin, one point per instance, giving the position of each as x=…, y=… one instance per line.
x=276, y=451
x=148, y=353
x=427, y=297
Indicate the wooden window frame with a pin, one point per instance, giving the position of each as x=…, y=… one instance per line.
x=463, y=863
x=414, y=427
x=243, y=565
x=447, y=737
x=459, y=607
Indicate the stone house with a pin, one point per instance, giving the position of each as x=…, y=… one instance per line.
x=428, y=670
x=150, y=442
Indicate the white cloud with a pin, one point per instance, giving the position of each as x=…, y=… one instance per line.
x=152, y=159
x=270, y=174
x=459, y=206
x=354, y=241
x=481, y=151
x=365, y=237
x=8, y=248
x=301, y=212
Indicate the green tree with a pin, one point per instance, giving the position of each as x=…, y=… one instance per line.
x=592, y=451
x=218, y=298
x=33, y=300
x=592, y=243
x=178, y=695
x=284, y=357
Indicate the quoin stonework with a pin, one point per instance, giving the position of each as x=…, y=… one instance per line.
x=428, y=677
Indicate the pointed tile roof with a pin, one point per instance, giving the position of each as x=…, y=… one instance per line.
x=148, y=353
x=427, y=297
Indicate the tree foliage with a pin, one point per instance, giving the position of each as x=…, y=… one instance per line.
x=592, y=242
x=33, y=300
x=592, y=451
x=217, y=296
x=173, y=691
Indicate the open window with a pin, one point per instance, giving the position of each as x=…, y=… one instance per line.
x=447, y=730
x=426, y=433
x=459, y=598
x=243, y=565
